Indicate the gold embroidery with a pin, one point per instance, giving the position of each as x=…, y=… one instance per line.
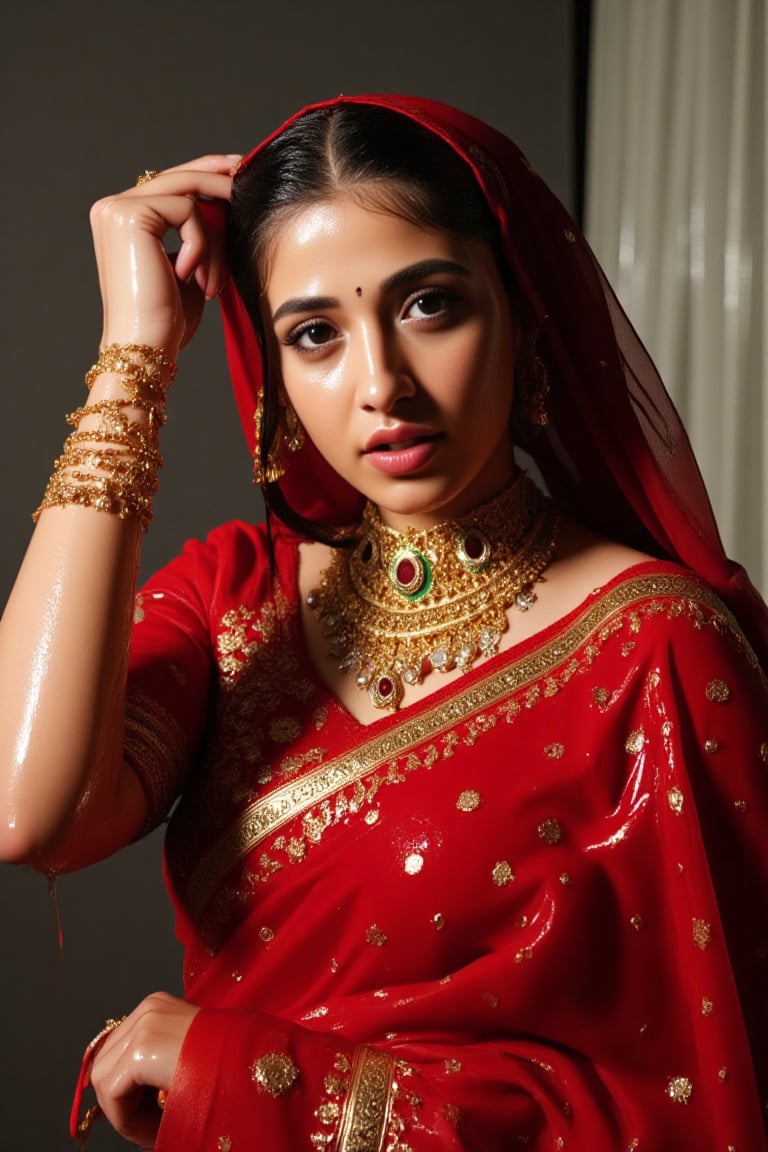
x=439, y=921
x=637, y=923
x=565, y=879
x=675, y=799
x=718, y=692
x=266, y=934
x=764, y=753
x=740, y=805
x=502, y=874
x=550, y=831
x=679, y=1089
x=155, y=747
x=468, y=801
x=453, y=1066
x=707, y=1006
x=711, y=746
x=376, y=937
x=275, y=1073
x=376, y=759
x=601, y=697
x=635, y=741
x=224, y=1144
x=554, y=751
x=369, y=1100
x=414, y=863
x=283, y=729
x=702, y=933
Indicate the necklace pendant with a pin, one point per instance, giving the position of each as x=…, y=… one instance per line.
x=525, y=599
x=473, y=549
x=386, y=691
x=410, y=574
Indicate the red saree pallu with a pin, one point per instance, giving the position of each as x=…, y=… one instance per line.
x=529, y=911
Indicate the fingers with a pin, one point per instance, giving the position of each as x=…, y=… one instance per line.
x=138, y=1059
x=139, y=282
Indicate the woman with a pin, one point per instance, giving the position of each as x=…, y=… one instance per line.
x=468, y=849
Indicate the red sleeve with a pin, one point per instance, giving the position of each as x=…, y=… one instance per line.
x=172, y=666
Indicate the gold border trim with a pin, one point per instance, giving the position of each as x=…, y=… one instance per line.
x=364, y=1120
x=269, y=813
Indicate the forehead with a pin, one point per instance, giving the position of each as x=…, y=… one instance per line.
x=343, y=238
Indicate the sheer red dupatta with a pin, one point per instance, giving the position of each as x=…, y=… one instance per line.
x=615, y=454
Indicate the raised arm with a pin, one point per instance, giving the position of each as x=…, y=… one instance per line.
x=66, y=797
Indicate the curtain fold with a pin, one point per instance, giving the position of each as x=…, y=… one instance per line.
x=677, y=176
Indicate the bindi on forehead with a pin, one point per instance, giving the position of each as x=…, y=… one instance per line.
x=358, y=291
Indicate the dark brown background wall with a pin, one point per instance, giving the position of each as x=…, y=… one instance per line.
x=92, y=94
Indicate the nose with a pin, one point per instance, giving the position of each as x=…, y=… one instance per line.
x=382, y=372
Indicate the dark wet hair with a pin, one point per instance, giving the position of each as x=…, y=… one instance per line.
x=386, y=160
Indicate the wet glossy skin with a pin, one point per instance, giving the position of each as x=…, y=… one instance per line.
x=397, y=347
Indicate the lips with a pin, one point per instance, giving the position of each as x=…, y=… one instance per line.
x=398, y=439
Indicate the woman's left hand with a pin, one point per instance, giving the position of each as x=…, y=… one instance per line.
x=138, y=1059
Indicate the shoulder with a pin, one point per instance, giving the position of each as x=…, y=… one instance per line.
x=603, y=585
x=233, y=563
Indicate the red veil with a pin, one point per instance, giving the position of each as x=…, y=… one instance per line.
x=615, y=454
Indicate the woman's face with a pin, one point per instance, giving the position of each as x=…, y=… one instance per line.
x=396, y=348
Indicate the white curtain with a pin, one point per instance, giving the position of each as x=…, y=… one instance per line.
x=677, y=212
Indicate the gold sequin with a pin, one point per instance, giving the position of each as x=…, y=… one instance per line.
x=372, y=816
x=722, y=1075
x=565, y=879
x=439, y=921
x=414, y=863
x=740, y=805
x=718, y=692
x=266, y=934
x=707, y=1006
x=316, y=1013
x=224, y=1144
x=275, y=1073
x=523, y=921
x=453, y=1066
x=637, y=923
x=502, y=874
x=570, y=235
x=523, y=954
x=711, y=746
x=554, y=751
x=376, y=937
x=468, y=801
x=675, y=799
x=334, y=966
x=381, y=994
x=702, y=933
x=550, y=831
x=237, y=977
x=342, y=1063
x=601, y=696
x=764, y=753
x=635, y=741
x=633, y=1146
x=679, y=1089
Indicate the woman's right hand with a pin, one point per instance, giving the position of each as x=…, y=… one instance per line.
x=151, y=296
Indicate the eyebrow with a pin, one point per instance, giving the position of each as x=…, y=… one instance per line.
x=419, y=271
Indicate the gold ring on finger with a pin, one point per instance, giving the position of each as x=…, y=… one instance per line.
x=147, y=175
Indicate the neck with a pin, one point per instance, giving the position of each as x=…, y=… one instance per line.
x=462, y=505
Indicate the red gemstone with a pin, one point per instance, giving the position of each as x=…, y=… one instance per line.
x=385, y=687
x=405, y=572
x=474, y=546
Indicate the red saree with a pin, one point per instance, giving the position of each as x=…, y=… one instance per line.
x=529, y=911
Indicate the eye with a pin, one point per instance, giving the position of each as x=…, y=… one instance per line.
x=310, y=335
x=428, y=303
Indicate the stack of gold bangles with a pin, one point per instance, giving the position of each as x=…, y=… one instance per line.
x=113, y=465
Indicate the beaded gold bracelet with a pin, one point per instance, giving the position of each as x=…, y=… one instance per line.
x=113, y=466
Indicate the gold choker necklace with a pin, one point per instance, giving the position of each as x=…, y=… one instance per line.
x=398, y=605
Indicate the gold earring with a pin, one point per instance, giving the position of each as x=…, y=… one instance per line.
x=532, y=385
x=290, y=431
